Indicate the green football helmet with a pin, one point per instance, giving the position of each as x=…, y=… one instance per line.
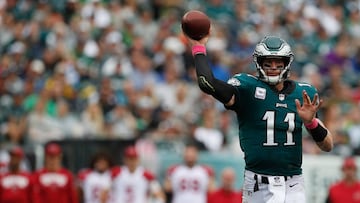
x=273, y=47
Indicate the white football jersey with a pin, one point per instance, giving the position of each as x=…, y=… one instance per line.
x=189, y=184
x=94, y=184
x=131, y=187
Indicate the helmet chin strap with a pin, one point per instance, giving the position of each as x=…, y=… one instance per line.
x=272, y=80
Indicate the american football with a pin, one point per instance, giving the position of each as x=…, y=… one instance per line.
x=195, y=24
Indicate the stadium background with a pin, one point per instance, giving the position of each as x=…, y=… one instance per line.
x=103, y=74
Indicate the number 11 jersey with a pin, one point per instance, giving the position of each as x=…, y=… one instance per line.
x=270, y=130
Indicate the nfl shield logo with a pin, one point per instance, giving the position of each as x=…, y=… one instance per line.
x=281, y=97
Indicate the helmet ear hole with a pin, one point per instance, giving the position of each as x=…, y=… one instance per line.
x=286, y=61
x=260, y=61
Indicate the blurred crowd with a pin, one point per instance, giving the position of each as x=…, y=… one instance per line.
x=101, y=69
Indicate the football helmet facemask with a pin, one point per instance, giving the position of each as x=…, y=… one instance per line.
x=273, y=47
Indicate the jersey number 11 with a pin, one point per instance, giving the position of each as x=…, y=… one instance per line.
x=269, y=117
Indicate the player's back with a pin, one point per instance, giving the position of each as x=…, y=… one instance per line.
x=94, y=185
x=189, y=184
x=131, y=187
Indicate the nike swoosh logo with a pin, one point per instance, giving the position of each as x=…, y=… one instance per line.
x=293, y=185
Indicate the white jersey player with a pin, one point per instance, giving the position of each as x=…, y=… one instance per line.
x=134, y=184
x=189, y=182
x=96, y=182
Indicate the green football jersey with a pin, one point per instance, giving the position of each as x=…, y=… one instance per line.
x=270, y=130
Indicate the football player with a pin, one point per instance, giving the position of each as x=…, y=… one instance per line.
x=189, y=181
x=132, y=183
x=95, y=182
x=271, y=110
